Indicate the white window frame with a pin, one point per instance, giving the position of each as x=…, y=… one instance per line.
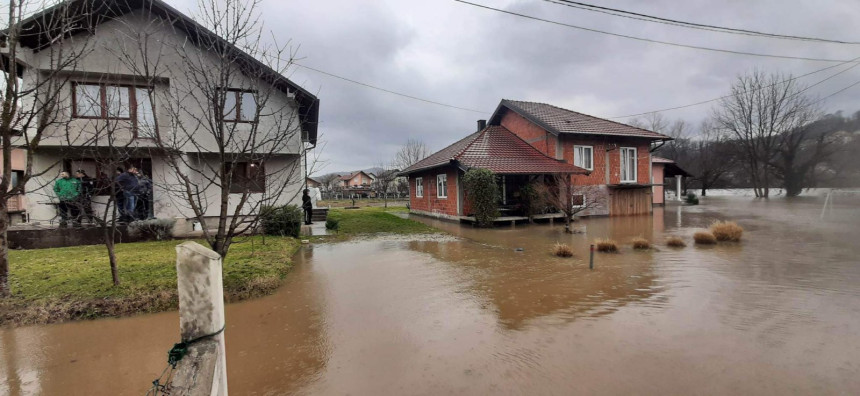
x=590, y=159
x=442, y=180
x=419, y=187
x=583, y=201
x=625, y=166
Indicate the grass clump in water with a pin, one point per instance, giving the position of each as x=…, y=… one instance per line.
x=704, y=238
x=675, y=241
x=641, y=243
x=727, y=231
x=606, y=245
x=562, y=250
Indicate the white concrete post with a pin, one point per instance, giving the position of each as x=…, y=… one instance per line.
x=678, y=187
x=201, y=312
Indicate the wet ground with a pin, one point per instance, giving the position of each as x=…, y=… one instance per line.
x=778, y=313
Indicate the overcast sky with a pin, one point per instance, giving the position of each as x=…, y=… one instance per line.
x=469, y=57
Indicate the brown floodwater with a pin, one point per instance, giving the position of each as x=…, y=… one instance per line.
x=778, y=313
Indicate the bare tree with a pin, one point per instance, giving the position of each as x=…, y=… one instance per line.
x=561, y=192
x=759, y=111
x=801, y=150
x=411, y=152
x=383, y=182
x=236, y=138
x=711, y=157
x=30, y=105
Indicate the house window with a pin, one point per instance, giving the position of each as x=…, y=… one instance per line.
x=628, y=164
x=577, y=200
x=442, y=186
x=247, y=177
x=583, y=157
x=419, y=187
x=239, y=106
x=116, y=102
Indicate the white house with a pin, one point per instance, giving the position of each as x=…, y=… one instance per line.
x=144, y=88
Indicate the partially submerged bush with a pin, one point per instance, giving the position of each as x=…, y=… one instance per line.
x=727, y=231
x=483, y=192
x=704, y=238
x=282, y=220
x=641, y=243
x=692, y=199
x=675, y=241
x=158, y=229
x=562, y=250
x=332, y=224
x=606, y=245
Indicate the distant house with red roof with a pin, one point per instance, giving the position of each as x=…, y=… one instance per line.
x=525, y=141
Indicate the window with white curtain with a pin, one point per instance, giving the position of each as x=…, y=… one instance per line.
x=628, y=164
x=583, y=157
x=442, y=186
x=419, y=187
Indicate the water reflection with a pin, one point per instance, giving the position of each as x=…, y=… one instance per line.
x=775, y=314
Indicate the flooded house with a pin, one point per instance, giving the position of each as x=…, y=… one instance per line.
x=107, y=93
x=527, y=141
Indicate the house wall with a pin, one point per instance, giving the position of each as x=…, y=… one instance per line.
x=657, y=176
x=284, y=176
x=180, y=101
x=606, y=164
x=536, y=136
x=430, y=204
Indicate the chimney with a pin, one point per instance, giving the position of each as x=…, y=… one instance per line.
x=481, y=125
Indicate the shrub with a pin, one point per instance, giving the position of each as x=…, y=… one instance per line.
x=704, y=238
x=533, y=201
x=606, y=245
x=281, y=220
x=641, y=243
x=158, y=229
x=483, y=193
x=675, y=241
x=727, y=231
x=332, y=224
x=562, y=250
x=692, y=199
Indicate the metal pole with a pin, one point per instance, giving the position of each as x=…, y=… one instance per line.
x=591, y=258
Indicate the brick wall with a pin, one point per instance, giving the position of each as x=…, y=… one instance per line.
x=601, y=156
x=430, y=202
x=531, y=133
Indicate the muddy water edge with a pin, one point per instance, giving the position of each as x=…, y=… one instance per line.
x=777, y=313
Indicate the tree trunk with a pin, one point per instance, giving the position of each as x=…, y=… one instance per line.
x=111, y=248
x=567, y=229
x=704, y=190
x=4, y=251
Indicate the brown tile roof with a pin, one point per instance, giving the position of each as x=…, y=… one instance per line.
x=557, y=120
x=499, y=150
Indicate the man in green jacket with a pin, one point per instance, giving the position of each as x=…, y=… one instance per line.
x=67, y=190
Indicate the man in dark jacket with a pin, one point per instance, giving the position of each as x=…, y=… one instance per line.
x=127, y=184
x=85, y=199
x=307, y=206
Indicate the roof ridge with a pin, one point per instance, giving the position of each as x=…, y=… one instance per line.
x=586, y=115
x=477, y=134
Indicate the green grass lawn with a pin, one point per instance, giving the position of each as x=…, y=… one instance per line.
x=371, y=220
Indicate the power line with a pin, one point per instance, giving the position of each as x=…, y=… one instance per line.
x=691, y=25
x=651, y=40
x=767, y=86
x=388, y=90
x=837, y=92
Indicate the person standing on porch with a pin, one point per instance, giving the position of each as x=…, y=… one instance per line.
x=67, y=190
x=307, y=206
x=127, y=183
x=85, y=199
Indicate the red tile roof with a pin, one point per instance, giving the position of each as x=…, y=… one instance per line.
x=499, y=150
x=557, y=120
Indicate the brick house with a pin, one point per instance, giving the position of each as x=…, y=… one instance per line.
x=435, y=183
x=615, y=157
x=662, y=169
